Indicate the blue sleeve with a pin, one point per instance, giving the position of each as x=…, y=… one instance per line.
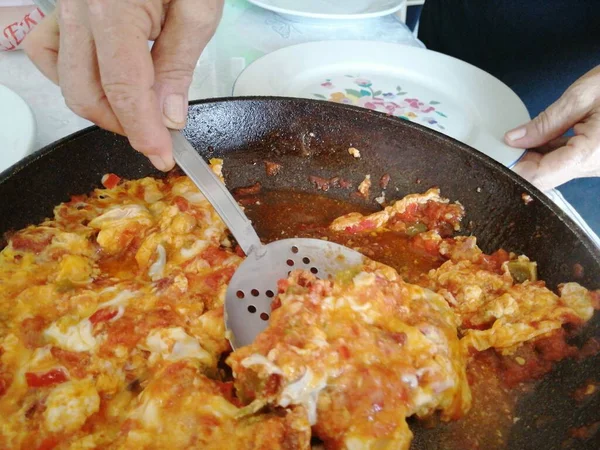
x=537, y=47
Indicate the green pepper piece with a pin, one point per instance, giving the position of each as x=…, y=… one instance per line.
x=522, y=271
x=416, y=228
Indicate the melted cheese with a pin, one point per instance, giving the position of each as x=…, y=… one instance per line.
x=149, y=412
x=261, y=361
x=195, y=249
x=305, y=391
x=74, y=269
x=75, y=338
x=121, y=299
x=41, y=360
x=121, y=214
x=158, y=267
x=577, y=298
x=363, y=279
x=174, y=344
x=70, y=404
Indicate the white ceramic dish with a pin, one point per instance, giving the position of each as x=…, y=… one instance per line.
x=330, y=9
x=17, y=128
x=434, y=90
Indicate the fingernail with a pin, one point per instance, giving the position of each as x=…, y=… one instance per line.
x=158, y=162
x=175, y=109
x=515, y=135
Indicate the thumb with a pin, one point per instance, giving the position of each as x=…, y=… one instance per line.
x=186, y=31
x=551, y=123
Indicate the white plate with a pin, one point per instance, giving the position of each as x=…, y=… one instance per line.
x=330, y=9
x=434, y=90
x=17, y=128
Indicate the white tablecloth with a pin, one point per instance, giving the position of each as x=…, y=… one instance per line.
x=245, y=34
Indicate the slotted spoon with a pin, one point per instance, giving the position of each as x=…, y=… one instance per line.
x=254, y=284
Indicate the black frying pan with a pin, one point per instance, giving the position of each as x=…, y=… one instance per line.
x=312, y=138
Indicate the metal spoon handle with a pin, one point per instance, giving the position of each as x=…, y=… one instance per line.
x=216, y=193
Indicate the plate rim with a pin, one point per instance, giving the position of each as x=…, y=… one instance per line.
x=399, y=46
x=326, y=16
x=27, y=114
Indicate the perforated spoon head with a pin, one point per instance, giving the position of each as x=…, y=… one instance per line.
x=254, y=284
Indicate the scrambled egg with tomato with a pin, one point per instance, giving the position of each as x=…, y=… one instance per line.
x=112, y=332
x=360, y=353
x=498, y=300
x=111, y=327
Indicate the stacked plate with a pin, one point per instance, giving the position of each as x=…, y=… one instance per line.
x=434, y=90
x=330, y=9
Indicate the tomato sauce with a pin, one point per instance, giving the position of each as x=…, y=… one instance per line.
x=31, y=329
x=284, y=214
x=54, y=376
x=494, y=379
x=34, y=241
x=103, y=315
x=488, y=423
x=75, y=362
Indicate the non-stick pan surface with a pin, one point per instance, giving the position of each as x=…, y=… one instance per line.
x=312, y=138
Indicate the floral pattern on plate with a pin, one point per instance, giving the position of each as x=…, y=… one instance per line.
x=398, y=103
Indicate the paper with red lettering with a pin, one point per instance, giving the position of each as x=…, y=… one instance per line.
x=13, y=34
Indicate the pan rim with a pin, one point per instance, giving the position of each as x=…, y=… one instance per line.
x=480, y=157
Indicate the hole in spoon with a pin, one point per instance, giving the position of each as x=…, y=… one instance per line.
x=252, y=309
x=290, y=262
x=254, y=292
x=240, y=294
x=314, y=270
x=306, y=260
x=264, y=316
x=270, y=293
x=294, y=249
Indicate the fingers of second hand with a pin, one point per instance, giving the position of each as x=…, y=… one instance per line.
x=552, y=145
x=121, y=32
x=587, y=143
x=564, y=164
x=541, y=172
x=528, y=165
x=555, y=120
x=573, y=106
x=578, y=156
x=78, y=68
